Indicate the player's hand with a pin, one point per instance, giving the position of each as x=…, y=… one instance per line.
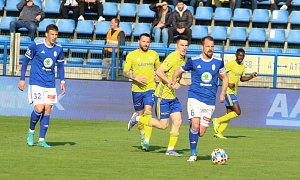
x=63, y=88
x=254, y=74
x=176, y=86
x=22, y=85
x=156, y=78
x=74, y=4
x=222, y=97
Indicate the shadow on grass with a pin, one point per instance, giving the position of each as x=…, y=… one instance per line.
x=229, y=137
x=61, y=143
x=151, y=148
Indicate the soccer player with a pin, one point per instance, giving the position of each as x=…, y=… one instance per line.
x=166, y=103
x=236, y=72
x=140, y=67
x=43, y=55
x=205, y=70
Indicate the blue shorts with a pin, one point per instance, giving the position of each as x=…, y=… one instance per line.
x=165, y=107
x=140, y=99
x=230, y=100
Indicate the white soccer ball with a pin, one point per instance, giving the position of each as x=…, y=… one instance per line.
x=219, y=156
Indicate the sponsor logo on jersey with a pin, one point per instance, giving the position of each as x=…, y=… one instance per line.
x=51, y=96
x=55, y=53
x=48, y=62
x=206, y=77
x=43, y=52
x=213, y=67
x=199, y=66
x=206, y=119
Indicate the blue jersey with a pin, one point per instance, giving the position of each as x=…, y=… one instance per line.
x=204, y=78
x=43, y=60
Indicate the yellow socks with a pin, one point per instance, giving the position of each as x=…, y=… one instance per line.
x=173, y=140
x=146, y=118
x=226, y=117
x=148, y=132
x=140, y=126
x=223, y=126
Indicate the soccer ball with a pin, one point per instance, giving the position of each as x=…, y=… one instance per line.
x=219, y=156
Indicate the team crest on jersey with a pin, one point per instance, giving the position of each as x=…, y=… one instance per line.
x=213, y=67
x=48, y=62
x=55, y=53
x=206, y=77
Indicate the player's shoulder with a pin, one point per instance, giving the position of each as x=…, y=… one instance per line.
x=217, y=57
x=195, y=57
x=58, y=44
x=150, y=51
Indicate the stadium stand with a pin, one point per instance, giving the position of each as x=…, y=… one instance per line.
x=52, y=8
x=4, y=25
x=257, y=37
x=145, y=12
x=2, y=3
x=276, y=38
x=110, y=9
x=204, y=15
x=140, y=28
x=238, y=36
x=128, y=12
x=293, y=38
x=222, y=16
x=85, y=29
x=127, y=28
x=219, y=33
x=260, y=18
x=66, y=27
x=198, y=32
x=279, y=19
x=101, y=29
x=43, y=24
x=241, y=17
x=295, y=20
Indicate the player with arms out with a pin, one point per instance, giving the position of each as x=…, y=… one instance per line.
x=236, y=72
x=43, y=55
x=140, y=67
x=205, y=70
x=166, y=102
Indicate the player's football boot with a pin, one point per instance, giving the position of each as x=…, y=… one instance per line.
x=30, y=139
x=145, y=146
x=216, y=125
x=219, y=135
x=173, y=153
x=192, y=158
x=132, y=121
x=43, y=144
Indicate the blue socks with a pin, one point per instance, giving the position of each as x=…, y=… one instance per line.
x=44, y=125
x=193, y=136
x=35, y=117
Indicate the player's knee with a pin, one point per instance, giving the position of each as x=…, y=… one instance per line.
x=39, y=109
x=238, y=113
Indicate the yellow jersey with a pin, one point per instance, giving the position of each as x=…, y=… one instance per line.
x=173, y=62
x=142, y=64
x=234, y=71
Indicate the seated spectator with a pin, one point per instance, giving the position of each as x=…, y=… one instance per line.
x=114, y=37
x=30, y=15
x=162, y=21
x=69, y=5
x=191, y=2
x=286, y=6
x=182, y=20
x=95, y=6
x=253, y=3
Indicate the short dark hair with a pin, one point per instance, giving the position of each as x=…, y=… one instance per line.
x=144, y=34
x=210, y=38
x=240, y=50
x=180, y=1
x=181, y=37
x=51, y=27
x=117, y=21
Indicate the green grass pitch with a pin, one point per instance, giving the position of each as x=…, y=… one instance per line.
x=106, y=150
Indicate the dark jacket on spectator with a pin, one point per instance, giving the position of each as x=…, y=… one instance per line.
x=29, y=13
x=157, y=16
x=182, y=21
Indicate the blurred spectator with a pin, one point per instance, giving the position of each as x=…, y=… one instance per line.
x=69, y=5
x=30, y=16
x=191, y=2
x=95, y=6
x=162, y=21
x=114, y=37
x=182, y=20
x=286, y=6
x=253, y=3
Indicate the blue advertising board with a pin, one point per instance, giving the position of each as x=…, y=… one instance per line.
x=111, y=100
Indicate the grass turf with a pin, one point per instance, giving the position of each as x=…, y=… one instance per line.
x=106, y=150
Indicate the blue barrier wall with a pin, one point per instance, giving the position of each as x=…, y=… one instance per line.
x=109, y=100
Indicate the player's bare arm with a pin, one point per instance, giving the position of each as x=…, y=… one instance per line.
x=247, y=78
x=161, y=73
x=139, y=79
x=184, y=82
x=21, y=85
x=63, y=88
x=176, y=74
x=224, y=79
